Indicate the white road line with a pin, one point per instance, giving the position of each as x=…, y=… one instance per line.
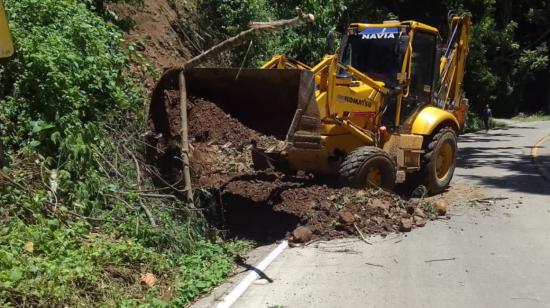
x=239, y=290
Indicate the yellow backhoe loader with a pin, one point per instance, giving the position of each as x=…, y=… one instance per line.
x=387, y=107
x=7, y=51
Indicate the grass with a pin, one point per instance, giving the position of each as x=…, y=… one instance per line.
x=495, y=123
x=539, y=116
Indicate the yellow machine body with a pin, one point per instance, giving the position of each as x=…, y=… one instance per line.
x=350, y=107
x=325, y=112
x=7, y=49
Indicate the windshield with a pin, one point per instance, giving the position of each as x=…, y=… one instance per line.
x=372, y=52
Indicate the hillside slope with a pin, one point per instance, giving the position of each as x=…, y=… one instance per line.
x=153, y=27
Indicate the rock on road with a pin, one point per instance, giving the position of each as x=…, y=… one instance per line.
x=492, y=253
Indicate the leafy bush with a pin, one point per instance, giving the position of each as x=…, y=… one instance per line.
x=77, y=224
x=508, y=63
x=474, y=122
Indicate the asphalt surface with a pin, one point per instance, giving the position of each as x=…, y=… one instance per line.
x=493, y=252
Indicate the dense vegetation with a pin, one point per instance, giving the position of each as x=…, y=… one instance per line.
x=508, y=65
x=80, y=219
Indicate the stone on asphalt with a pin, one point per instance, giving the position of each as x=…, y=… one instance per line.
x=441, y=207
x=406, y=225
x=302, y=235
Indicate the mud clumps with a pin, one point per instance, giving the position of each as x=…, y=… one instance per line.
x=209, y=123
x=329, y=212
x=268, y=205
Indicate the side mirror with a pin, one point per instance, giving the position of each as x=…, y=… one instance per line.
x=330, y=43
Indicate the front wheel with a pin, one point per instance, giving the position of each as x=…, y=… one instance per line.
x=439, y=162
x=368, y=166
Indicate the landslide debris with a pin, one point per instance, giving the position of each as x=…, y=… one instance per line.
x=154, y=28
x=268, y=205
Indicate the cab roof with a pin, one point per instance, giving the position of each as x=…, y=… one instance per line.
x=395, y=23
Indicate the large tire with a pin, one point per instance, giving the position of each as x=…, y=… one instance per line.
x=439, y=162
x=366, y=163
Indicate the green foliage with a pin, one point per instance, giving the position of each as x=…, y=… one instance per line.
x=201, y=271
x=429, y=207
x=232, y=17
x=508, y=65
x=53, y=93
x=72, y=202
x=474, y=122
x=307, y=42
x=539, y=116
x=68, y=264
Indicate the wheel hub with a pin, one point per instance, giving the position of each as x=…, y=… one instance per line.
x=444, y=161
x=374, y=177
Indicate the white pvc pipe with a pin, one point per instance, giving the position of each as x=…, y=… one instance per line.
x=232, y=297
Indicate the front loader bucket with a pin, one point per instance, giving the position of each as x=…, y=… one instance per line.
x=274, y=102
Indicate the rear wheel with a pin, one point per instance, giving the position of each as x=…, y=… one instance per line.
x=439, y=162
x=368, y=167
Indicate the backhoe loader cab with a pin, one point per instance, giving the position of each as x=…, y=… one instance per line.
x=381, y=51
x=375, y=52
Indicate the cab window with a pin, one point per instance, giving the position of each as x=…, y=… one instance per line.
x=422, y=66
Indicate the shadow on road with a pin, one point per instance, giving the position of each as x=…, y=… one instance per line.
x=514, y=164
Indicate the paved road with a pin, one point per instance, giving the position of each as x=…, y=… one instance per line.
x=490, y=254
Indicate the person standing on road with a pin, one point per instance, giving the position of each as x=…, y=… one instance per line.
x=487, y=115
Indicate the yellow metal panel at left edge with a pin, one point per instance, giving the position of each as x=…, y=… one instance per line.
x=6, y=42
x=430, y=118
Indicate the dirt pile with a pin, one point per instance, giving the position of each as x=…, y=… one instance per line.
x=328, y=211
x=220, y=144
x=266, y=206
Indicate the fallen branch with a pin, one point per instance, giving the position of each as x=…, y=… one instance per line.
x=108, y=163
x=256, y=29
x=94, y=218
x=148, y=213
x=160, y=178
x=361, y=234
x=157, y=196
x=136, y=162
x=489, y=200
x=150, y=216
x=13, y=183
x=372, y=264
x=439, y=260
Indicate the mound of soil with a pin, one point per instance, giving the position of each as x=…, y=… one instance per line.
x=327, y=211
x=220, y=144
x=209, y=123
x=266, y=206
